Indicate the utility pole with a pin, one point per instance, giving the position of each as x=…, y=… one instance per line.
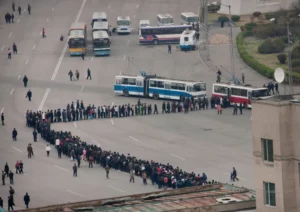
x=290, y=59
x=203, y=17
x=231, y=47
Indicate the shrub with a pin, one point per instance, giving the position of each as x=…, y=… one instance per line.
x=277, y=14
x=271, y=46
x=223, y=18
x=269, y=30
x=213, y=8
x=281, y=58
x=296, y=63
x=256, y=14
x=285, y=39
x=296, y=52
x=296, y=69
x=250, y=26
x=235, y=18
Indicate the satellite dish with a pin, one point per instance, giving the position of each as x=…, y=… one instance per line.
x=279, y=75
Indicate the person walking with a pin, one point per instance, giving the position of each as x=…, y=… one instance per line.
x=241, y=108
x=169, y=49
x=29, y=151
x=14, y=134
x=235, y=109
x=48, y=149
x=29, y=95
x=89, y=76
x=75, y=170
x=15, y=49
x=26, y=199
x=19, y=10
x=13, y=5
x=131, y=176
x=82, y=55
x=2, y=119
x=10, y=203
x=25, y=81
x=34, y=133
x=6, y=169
x=44, y=33
x=12, y=18
x=29, y=9
x=70, y=75
x=77, y=74
x=9, y=54
x=3, y=177
x=243, y=78
x=107, y=168
x=11, y=177
x=234, y=175
x=144, y=176
x=1, y=202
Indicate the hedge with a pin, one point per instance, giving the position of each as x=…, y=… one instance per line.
x=255, y=65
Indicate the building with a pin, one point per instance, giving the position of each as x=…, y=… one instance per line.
x=276, y=151
x=208, y=198
x=246, y=7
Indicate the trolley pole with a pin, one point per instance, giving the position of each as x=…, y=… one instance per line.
x=290, y=60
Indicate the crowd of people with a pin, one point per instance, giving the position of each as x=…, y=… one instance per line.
x=162, y=175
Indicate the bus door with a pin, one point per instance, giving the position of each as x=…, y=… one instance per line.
x=167, y=91
x=140, y=87
x=146, y=87
x=189, y=89
x=228, y=94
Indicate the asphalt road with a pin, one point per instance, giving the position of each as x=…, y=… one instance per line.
x=200, y=141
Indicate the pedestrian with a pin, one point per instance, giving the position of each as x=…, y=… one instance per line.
x=13, y=5
x=48, y=149
x=12, y=18
x=21, y=166
x=61, y=38
x=1, y=202
x=144, y=176
x=155, y=109
x=234, y=175
x=6, y=169
x=25, y=81
x=15, y=50
x=29, y=151
x=26, y=199
x=235, y=109
x=276, y=88
x=19, y=10
x=131, y=176
x=107, y=171
x=70, y=75
x=169, y=49
x=9, y=53
x=44, y=33
x=89, y=74
x=82, y=55
x=243, y=78
x=11, y=177
x=29, y=95
x=219, y=108
x=10, y=203
x=11, y=191
x=91, y=161
x=17, y=166
x=34, y=133
x=29, y=9
x=2, y=119
x=8, y=17
x=241, y=108
x=14, y=134
x=75, y=170
x=77, y=74
x=3, y=177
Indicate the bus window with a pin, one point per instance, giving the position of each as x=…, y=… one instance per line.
x=199, y=87
x=167, y=86
x=125, y=81
x=174, y=86
x=220, y=89
x=244, y=92
x=131, y=81
x=181, y=86
x=139, y=83
x=153, y=84
x=118, y=81
x=186, y=38
x=160, y=84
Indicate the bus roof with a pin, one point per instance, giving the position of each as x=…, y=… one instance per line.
x=248, y=87
x=167, y=15
x=77, y=33
x=100, y=35
x=78, y=26
x=189, y=32
x=169, y=26
x=99, y=15
x=189, y=14
x=144, y=22
x=158, y=78
x=120, y=18
x=100, y=25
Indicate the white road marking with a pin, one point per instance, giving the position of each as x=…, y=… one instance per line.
x=72, y=192
x=11, y=92
x=61, y=168
x=228, y=174
x=53, y=9
x=47, y=19
x=75, y=125
x=2, y=110
x=176, y=156
x=10, y=34
x=135, y=139
x=66, y=45
x=116, y=189
x=18, y=20
x=95, y=142
x=16, y=149
x=44, y=99
x=134, y=16
x=19, y=77
x=108, y=6
x=2, y=48
x=81, y=89
x=112, y=121
x=41, y=32
x=33, y=47
x=124, y=57
x=127, y=42
x=25, y=174
x=24, y=10
x=137, y=6
x=26, y=61
x=92, y=59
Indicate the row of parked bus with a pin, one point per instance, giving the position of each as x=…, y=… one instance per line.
x=165, y=88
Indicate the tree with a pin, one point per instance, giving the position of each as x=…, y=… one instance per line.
x=281, y=58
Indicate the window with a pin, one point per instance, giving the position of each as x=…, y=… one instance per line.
x=174, y=86
x=167, y=86
x=186, y=38
x=244, y=92
x=181, y=86
x=118, y=81
x=125, y=81
x=267, y=147
x=269, y=194
x=160, y=84
x=139, y=83
x=153, y=83
x=236, y=91
x=220, y=89
x=131, y=81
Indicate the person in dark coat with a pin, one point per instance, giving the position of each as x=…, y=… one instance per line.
x=2, y=118
x=29, y=95
x=6, y=169
x=3, y=178
x=10, y=203
x=34, y=135
x=1, y=202
x=14, y=134
x=11, y=177
x=25, y=81
x=15, y=49
x=26, y=199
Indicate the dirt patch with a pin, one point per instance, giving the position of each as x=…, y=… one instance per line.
x=219, y=39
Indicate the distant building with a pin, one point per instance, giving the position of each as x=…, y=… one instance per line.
x=246, y=7
x=276, y=151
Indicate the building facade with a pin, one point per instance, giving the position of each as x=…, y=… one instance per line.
x=276, y=151
x=247, y=7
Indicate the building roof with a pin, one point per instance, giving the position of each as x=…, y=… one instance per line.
x=281, y=100
x=221, y=197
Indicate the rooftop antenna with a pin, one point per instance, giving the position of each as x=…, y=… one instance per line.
x=279, y=76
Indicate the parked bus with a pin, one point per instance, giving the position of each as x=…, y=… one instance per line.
x=100, y=26
x=98, y=17
x=144, y=23
x=188, y=40
x=162, y=34
x=165, y=20
x=101, y=43
x=239, y=94
x=123, y=25
x=189, y=18
x=77, y=39
x=158, y=87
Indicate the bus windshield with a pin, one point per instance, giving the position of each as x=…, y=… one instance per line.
x=259, y=93
x=123, y=23
x=104, y=43
x=199, y=87
x=192, y=19
x=76, y=43
x=167, y=20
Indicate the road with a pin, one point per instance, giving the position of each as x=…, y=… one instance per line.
x=200, y=141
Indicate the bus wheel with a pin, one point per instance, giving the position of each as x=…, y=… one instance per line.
x=155, y=42
x=182, y=98
x=125, y=92
x=155, y=96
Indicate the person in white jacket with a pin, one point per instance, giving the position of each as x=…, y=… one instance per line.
x=48, y=149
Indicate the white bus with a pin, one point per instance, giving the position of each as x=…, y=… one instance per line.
x=165, y=20
x=123, y=25
x=189, y=18
x=99, y=16
x=100, y=26
x=101, y=43
x=144, y=23
x=188, y=40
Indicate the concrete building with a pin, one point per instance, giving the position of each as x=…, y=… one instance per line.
x=246, y=7
x=276, y=151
